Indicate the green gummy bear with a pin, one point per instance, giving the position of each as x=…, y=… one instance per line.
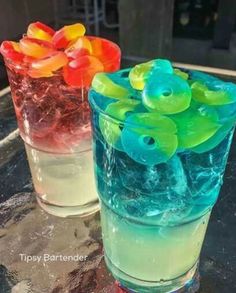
x=111, y=125
x=139, y=74
x=202, y=94
x=103, y=85
x=216, y=139
x=196, y=125
x=181, y=73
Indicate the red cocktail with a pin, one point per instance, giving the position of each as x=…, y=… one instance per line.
x=49, y=74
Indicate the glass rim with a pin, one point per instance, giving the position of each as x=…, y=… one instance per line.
x=117, y=49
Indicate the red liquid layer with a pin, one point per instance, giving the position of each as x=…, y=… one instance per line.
x=52, y=116
x=50, y=83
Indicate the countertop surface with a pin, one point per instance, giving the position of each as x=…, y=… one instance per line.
x=25, y=230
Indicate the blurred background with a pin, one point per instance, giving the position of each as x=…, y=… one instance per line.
x=201, y=32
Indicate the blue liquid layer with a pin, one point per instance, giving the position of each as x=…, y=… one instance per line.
x=167, y=194
x=154, y=218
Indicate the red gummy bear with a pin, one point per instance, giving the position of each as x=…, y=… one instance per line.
x=80, y=72
x=11, y=50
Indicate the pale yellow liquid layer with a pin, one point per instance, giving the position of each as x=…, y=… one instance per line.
x=152, y=253
x=65, y=180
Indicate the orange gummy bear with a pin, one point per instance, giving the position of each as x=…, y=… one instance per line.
x=35, y=48
x=40, y=31
x=65, y=35
x=80, y=72
x=81, y=43
x=45, y=67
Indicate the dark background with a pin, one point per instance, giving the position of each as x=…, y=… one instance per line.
x=189, y=31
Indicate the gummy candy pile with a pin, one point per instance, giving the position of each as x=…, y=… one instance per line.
x=152, y=111
x=49, y=74
x=42, y=52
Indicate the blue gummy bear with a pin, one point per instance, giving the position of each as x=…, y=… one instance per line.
x=162, y=66
x=177, y=92
x=137, y=149
x=203, y=77
x=226, y=112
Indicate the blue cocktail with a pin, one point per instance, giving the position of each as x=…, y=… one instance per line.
x=161, y=141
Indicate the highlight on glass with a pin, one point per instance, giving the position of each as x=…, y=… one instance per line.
x=161, y=141
x=50, y=73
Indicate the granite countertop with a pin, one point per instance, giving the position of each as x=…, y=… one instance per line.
x=25, y=230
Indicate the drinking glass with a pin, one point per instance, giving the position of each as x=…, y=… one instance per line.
x=154, y=216
x=54, y=122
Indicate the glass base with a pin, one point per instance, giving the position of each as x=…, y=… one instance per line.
x=69, y=211
x=186, y=283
